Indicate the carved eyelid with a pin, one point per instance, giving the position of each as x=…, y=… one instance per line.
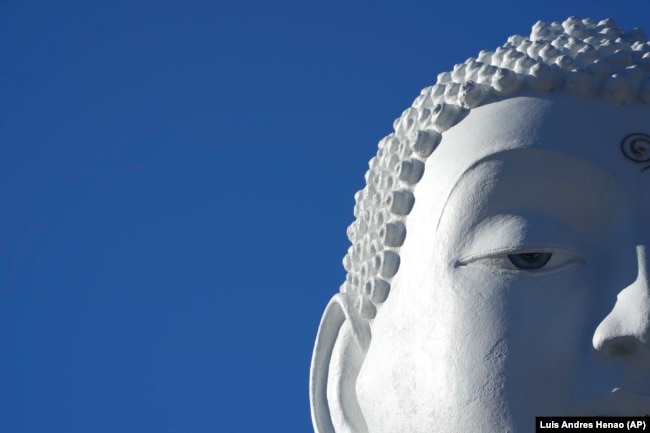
x=571, y=255
x=508, y=250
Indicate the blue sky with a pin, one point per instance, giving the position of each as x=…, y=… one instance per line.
x=176, y=178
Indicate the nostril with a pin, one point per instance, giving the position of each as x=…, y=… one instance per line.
x=619, y=346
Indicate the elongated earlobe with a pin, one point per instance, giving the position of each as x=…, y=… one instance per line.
x=340, y=349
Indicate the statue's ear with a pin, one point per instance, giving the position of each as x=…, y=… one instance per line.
x=341, y=346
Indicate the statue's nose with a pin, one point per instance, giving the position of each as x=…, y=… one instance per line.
x=625, y=331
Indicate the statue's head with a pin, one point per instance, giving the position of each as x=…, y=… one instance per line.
x=500, y=259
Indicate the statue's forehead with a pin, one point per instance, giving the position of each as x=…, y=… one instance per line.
x=587, y=129
x=557, y=146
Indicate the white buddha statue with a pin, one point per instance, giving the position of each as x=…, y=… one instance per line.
x=500, y=259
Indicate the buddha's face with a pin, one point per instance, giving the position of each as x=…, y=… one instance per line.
x=524, y=285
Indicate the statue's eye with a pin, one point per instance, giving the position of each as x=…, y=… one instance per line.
x=551, y=260
x=530, y=261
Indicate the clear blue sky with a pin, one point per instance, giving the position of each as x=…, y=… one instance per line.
x=176, y=178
